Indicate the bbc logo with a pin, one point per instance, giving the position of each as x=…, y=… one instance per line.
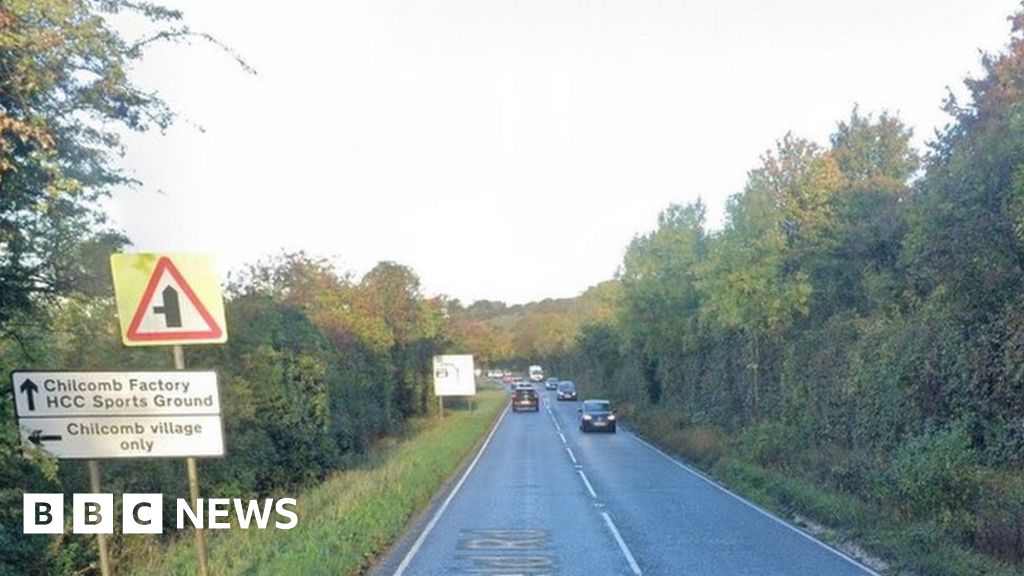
x=93, y=513
x=143, y=513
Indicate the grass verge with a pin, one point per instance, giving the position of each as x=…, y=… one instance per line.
x=879, y=539
x=347, y=520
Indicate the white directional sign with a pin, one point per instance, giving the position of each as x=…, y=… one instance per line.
x=129, y=437
x=454, y=376
x=120, y=414
x=115, y=393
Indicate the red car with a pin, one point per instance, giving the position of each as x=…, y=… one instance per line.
x=525, y=399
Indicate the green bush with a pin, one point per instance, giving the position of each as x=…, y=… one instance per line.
x=997, y=520
x=931, y=473
x=773, y=445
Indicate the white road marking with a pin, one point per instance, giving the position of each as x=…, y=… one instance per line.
x=571, y=455
x=766, y=513
x=622, y=544
x=587, y=483
x=562, y=436
x=437, y=515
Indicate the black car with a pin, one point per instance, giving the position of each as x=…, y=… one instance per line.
x=597, y=415
x=566, y=390
x=525, y=399
x=551, y=383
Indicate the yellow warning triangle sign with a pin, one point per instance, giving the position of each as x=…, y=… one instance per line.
x=168, y=310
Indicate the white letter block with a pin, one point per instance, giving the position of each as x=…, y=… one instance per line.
x=142, y=513
x=44, y=513
x=93, y=514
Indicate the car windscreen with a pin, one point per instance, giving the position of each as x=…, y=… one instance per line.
x=566, y=386
x=595, y=406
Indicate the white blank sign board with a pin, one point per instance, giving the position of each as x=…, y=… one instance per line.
x=453, y=375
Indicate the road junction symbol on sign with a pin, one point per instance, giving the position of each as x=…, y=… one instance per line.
x=168, y=299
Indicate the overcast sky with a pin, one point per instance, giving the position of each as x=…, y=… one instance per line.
x=509, y=150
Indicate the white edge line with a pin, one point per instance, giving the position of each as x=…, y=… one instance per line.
x=571, y=455
x=437, y=515
x=766, y=513
x=587, y=482
x=622, y=544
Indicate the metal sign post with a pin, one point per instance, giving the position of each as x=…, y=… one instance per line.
x=101, y=539
x=193, y=478
x=92, y=415
x=171, y=299
x=162, y=300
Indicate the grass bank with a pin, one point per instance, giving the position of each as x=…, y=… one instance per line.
x=347, y=520
x=878, y=536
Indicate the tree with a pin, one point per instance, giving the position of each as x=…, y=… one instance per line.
x=966, y=238
x=64, y=97
x=874, y=152
x=392, y=292
x=65, y=101
x=660, y=295
x=855, y=266
x=754, y=280
x=330, y=299
x=480, y=339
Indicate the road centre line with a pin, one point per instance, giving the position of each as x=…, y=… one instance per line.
x=607, y=519
x=437, y=515
x=622, y=544
x=587, y=483
x=750, y=504
x=562, y=436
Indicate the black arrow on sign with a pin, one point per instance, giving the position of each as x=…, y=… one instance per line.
x=37, y=437
x=29, y=388
x=170, y=309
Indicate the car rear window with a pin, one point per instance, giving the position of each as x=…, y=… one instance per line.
x=525, y=393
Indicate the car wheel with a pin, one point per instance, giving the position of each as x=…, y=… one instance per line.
x=614, y=429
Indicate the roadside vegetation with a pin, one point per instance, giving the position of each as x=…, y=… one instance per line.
x=848, y=347
x=319, y=365
x=349, y=519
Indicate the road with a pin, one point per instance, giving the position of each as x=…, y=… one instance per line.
x=544, y=498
